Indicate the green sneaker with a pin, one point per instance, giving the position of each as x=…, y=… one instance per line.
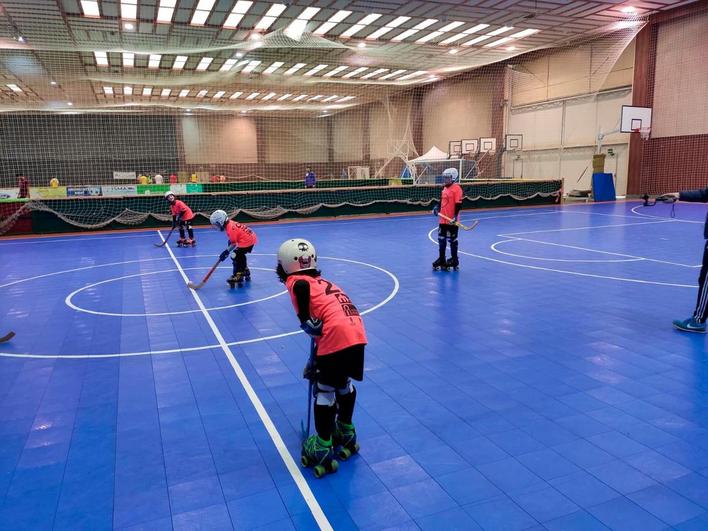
x=690, y=325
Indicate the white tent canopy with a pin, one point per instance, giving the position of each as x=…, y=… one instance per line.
x=434, y=153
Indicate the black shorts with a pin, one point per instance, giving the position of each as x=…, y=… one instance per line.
x=450, y=231
x=334, y=369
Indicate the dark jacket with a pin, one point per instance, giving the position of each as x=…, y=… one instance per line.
x=697, y=196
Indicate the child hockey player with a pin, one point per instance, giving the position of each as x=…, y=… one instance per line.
x=450, y=206
x=182, y=215
x=328, y=315
x=240, y=236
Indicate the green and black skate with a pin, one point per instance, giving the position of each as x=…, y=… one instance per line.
x=345, y=440
x=319, y=456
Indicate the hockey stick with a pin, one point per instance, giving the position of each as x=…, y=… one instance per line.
x=463, y=227
x=7, y=337
x=164, y=242
x=305, y=432
x=666, y=198
x=194, y=286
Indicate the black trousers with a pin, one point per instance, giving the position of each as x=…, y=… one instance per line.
x=240, y=262
x=701, y=311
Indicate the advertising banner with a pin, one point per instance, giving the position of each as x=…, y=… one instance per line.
x=83, y=191
x=46, y=192
x=124, y=175
x=9, y=193
x=119, y=190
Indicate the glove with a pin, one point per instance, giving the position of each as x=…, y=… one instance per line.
x=312, y=327
x=224, y=255
x=310, y=370
x=436, y=210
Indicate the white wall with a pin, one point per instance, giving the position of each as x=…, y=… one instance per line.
x=219, y=139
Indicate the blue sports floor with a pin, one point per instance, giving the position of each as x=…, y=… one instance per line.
x=540, y=387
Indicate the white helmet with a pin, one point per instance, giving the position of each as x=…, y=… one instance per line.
x=218, y=218
x=452, y=174
x=169, y=193
x=297, y=255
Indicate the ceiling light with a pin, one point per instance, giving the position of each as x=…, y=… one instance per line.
x=239, y=55
x=154, y=61
x=388, y=27
x=355, y=72
x=270, y=16
x=108, y=91
x=244, y=112
x=69, y=104
x=332, y=22
x=179, y=63
x=202, y=93
x=90, y=8
x=390, y=75
x=128, y=59
x=284, y=97
x=412, y=75
x=237, y=13
x=524, y=33
x=315, y=98
x=127, y=91
x=314, y=70
x=21, y=39
x=476, y=40
x=300, y=97
x=356, y=28
x=228, y=65
x=268, y=96
x=129, y=26
x=101, y=58
x=499, y=31
x=147, y=91
x=184, y=93
x=13, y=87
x=429, y=37
x=628, y=9
x=165, y=11
x=252, y=95
x=453, y=51
x=53, y=83
x=404, y=35
x=497, y=43
x=510, y=48
x=273, y=67
x=362, y=44
x=129, y=9
x=165, y=92
x=235, y=95
x=204, y=63
x=251, y=66
x=335, y=71
x=346, y=98
x=219, y=94
x=290, y=71
x=329, y=98
x=374, y=73
x=201, y=13
x=451, y=26
x=469, y=31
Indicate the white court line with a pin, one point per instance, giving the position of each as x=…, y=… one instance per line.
x=544, y=231
x=294, y=469
x=575, y=273
x=662, y=217
x=494, y=248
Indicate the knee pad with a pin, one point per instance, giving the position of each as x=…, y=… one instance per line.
x=188, y=224
x=452, y=239
x=325, y=395
x=349, y=388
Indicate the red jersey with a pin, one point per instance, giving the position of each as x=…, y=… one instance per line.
x=342, y=326
x=239, y=234
x=451, y=195
x=179, y=208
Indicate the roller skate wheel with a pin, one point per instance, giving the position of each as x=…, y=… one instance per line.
x=304, y=461
x=319, y=471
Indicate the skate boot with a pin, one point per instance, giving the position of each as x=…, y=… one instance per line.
x=181, y=242
x=190, y=243
x=247, y=275
x=319, y=456
x=236, y=278
x=439, y=264
x=453, y=263
x=344, y=440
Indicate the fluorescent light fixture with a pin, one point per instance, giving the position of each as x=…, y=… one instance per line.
x=69, y=104
x=315, y=98
x=268, y=96
x=374, y=73
x=273, y=67
x=425, y=24
x=412, y=75
x=297, y=26
x=204, y=63
x=127, y=91
x=271, y=15
x=308, y=13
x=90, y=8
x=356, y=28
x=128, y=59
x=524, y=33
x=451, y=26
x=314, y=70
x=469, y=31
x=237, y=13
x=129, y=9
x=497, y=43
x=166, y=92
x=251, y=66
x=332, y=21
x=228, y=65
x=219, y=94
x=391, y=74
x=625, y=9
x=476, y=40
x=300, y=97
x=179, y=63
x=201, y=13
x=184, y=93
x=510, y=48
x=404, y=35
x=252, y=95
x=335, y=71
x=154, y=61
x=355, y=72
x=166, y=10
x=147, y=91
x=390, y=26
x=499, y=31
x=429, y=37
x=108, y=91
x=345, y=98
x=290, y=71
x=13, y=87
x=235, y=95
x=202, y=93
x=453, y=51
x=101, y=58
x=329, y=98
x=284, y=97
x=53, y=83
x=129, y=26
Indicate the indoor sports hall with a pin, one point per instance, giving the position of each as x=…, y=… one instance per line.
x=507, y=197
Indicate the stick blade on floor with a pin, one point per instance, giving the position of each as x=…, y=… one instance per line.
x=7, y=337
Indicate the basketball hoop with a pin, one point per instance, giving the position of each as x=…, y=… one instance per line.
x=643, y=131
